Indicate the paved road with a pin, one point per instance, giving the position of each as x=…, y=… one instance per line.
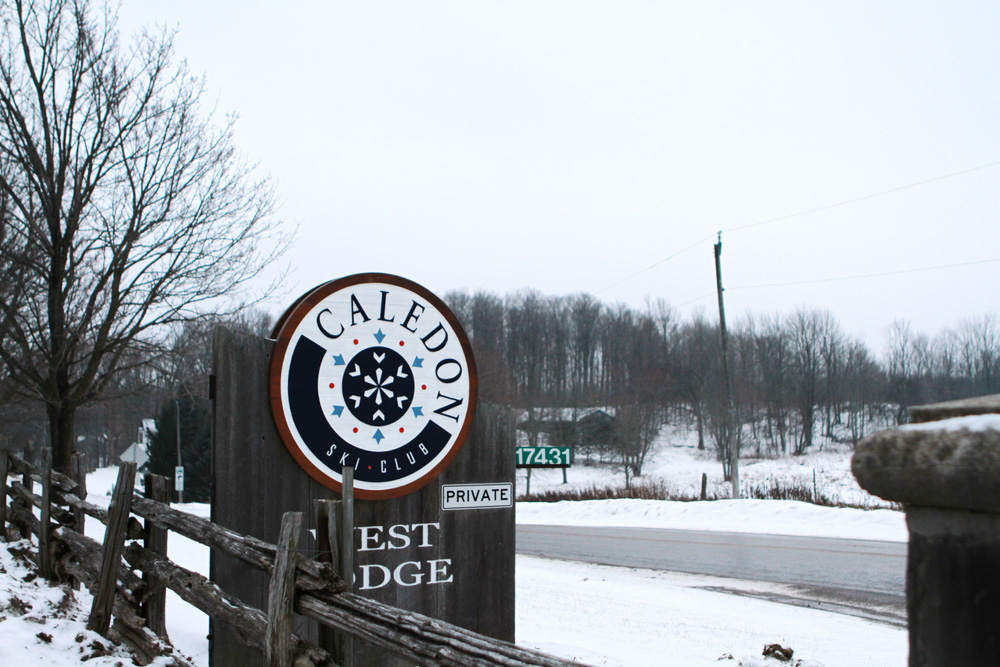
x=857, y=576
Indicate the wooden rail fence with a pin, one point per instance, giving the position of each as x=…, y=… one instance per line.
x=129, y=573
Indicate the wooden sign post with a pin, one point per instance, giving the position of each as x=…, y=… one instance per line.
x=374, y=373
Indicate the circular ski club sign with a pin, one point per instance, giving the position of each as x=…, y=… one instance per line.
x=372, y=372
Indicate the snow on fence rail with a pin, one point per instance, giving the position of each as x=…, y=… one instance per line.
x=310, y=588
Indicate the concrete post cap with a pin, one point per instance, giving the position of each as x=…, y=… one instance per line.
x=953, y=463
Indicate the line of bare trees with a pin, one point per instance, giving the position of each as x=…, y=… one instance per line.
x=797, y=377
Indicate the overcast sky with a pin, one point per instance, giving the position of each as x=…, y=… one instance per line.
x=569, y=146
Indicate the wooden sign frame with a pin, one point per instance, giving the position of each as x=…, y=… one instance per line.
x=333, y=346
x=465, y=558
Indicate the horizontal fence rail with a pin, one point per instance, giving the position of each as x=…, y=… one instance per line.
x=127, y=580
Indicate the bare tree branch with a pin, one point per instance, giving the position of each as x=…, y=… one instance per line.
x=125, y=209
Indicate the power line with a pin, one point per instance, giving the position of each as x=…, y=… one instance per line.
x=841, y=278
x=864, y=197
x=655, y=264
x=825, y=207
x=867, y=275
x=703, y=296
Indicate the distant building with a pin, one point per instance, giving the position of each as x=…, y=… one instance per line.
x=592, y=428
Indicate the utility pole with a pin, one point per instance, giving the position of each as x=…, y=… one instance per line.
x=180, y=464
x=731, y=440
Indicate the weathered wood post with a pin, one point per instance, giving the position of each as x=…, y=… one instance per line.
x=326, y=532
x=327, y=544
x=345, y=651
x=278, y=646
x=945, y=469
x=155, y=604
x=78, y=472
x=434, y=519
x=28, y=484
x=4, y=467
x=45, y=523
x=114, y=544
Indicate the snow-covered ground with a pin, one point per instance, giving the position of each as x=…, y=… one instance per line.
x=679, y=468
x=600, y=615
x=43, y=625
x=622, y=616
x=678, y=464
x=771, y=517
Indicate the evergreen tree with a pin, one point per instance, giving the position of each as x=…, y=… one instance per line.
x=196, y=446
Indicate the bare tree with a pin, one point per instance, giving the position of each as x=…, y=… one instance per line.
x=527, y=353
x=488, y=340
x=667, y=325
x=901, y=361
x=774, y=364
x=125, y=209
x=808, y=330
x=636, y=426
x=631, y=343
x=697, y=363
x=585, y=315
x=979, y=349
x=860, y=372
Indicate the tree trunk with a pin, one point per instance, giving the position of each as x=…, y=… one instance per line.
x=61, y=420
x=807, y=429
x=783, y=431
x=701, y=428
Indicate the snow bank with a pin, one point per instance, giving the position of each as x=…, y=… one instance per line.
x=771, y=517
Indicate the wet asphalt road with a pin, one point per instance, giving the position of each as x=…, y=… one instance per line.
x=854, y=576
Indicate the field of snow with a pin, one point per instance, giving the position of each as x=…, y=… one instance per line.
x=631, y=617
x=597, y=614
x=676, y=462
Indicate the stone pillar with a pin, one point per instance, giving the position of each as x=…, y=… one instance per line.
x=945, y=470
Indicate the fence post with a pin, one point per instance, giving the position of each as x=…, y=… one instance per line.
x=78, y=472
x=327, y=522
x=114, y=543
x=331, y=521
x=4, y=463
x=327, y=512
x=155, y=605
x=44, y=526
x=704, y=485
x=29, y=485
x=347, y=552
x=281, y=595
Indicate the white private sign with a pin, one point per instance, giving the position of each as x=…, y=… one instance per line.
x=476, y=496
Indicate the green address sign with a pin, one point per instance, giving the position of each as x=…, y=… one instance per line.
x=544, y=457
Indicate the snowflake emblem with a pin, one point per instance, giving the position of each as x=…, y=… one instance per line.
x=378, y=386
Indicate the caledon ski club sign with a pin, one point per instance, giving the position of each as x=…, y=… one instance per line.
x=373, y=372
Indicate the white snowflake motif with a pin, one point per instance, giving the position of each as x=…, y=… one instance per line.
x=378, y=394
